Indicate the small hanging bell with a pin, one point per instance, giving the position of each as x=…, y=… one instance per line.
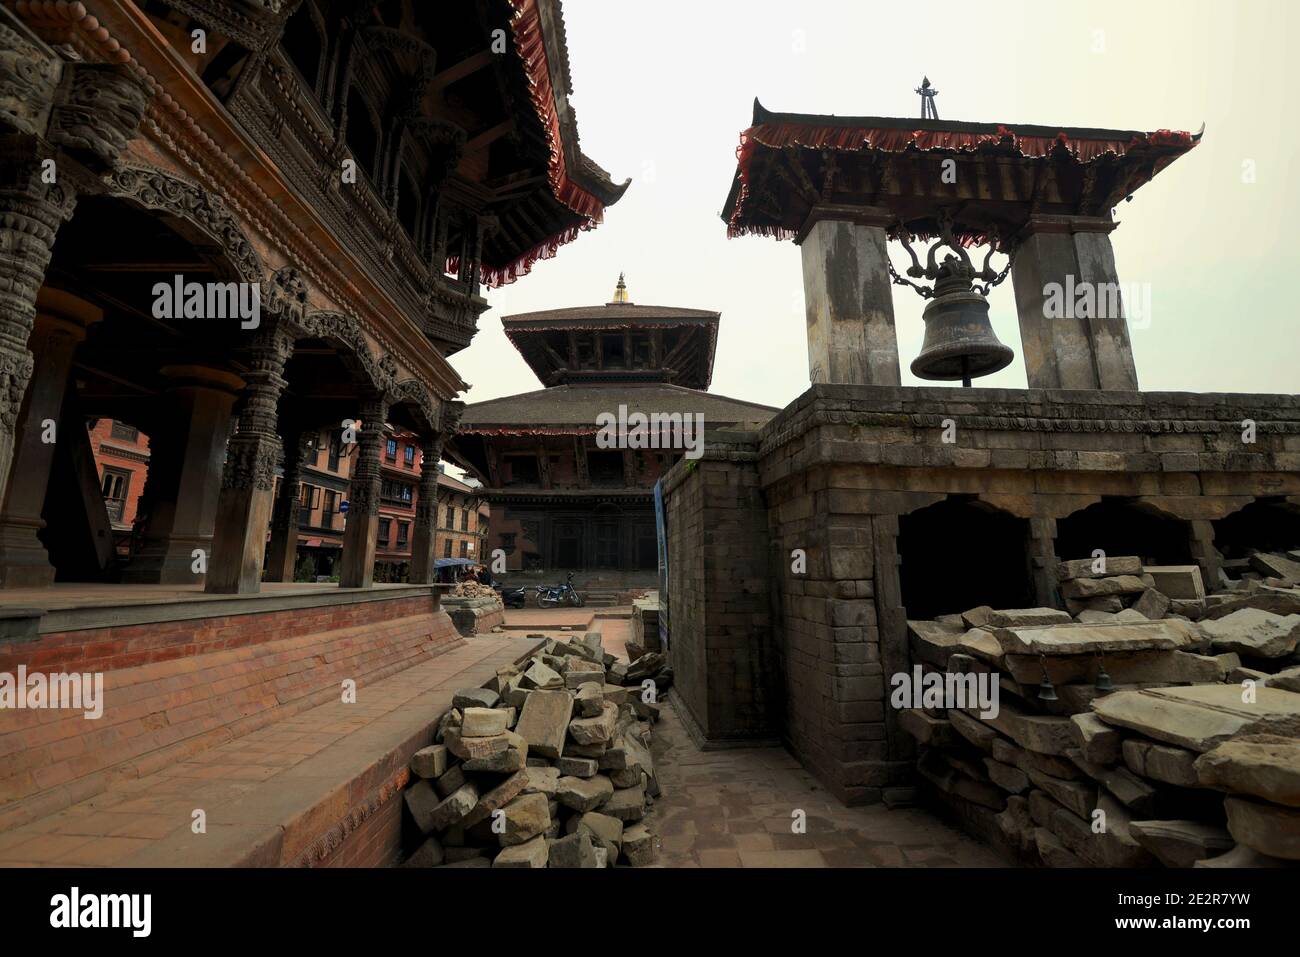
x=1103, y=682
x=1046, y=691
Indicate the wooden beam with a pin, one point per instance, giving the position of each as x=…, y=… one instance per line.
x=490, y=135
x=459, y=71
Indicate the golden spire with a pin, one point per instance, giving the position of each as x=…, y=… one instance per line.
x=620, y=291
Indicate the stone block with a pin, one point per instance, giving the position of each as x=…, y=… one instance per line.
x=430, y=762
x=544, y=722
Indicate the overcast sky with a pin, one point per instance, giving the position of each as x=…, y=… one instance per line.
x=662, y=91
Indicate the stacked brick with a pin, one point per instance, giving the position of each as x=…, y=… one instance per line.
x=549, y=765
x=1162, y=732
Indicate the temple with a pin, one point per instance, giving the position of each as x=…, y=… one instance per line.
x=248, y=235
x=562, y=500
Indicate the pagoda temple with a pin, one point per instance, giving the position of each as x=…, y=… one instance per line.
x=561, y=502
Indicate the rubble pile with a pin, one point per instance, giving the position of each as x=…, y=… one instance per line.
x=473, y=589
x=1152, y=724
x=549, y=765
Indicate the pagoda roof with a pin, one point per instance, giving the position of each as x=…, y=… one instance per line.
x=573, y=410
x=577, y=190
x=787, y=163
x=526, y=331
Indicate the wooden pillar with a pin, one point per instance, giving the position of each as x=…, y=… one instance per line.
x=357, y=564
x=59, y=326
x=31, y=213
x=189, y=455
x=424, y=535
x=254, y=453
x=283, y=556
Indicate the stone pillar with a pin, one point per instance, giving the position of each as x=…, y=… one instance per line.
x=60, y=324
x=187, y=453
x=1068, y=343
x=1043, y=562
x=248, y=485
x=1204, y=553
x=848, y=297
x=282, y=558
x=31, y=212
x=359, y=538
x=424, y=535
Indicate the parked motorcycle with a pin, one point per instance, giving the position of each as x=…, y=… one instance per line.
x=553, y=596
x=515, y=597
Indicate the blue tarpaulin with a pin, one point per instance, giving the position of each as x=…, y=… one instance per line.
x=452, y=562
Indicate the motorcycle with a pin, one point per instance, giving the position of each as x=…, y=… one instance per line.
x=515, y=597
x=553, y=596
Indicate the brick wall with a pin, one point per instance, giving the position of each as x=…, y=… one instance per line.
x=724, y=662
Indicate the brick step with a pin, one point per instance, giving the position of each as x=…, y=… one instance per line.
x=159, y=712
x=322, y=786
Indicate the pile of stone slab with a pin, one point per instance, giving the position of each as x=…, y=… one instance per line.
x=548, y=765
x=473, y=589
x=1123, y=736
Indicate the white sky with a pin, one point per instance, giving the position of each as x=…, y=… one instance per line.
x=662, y=91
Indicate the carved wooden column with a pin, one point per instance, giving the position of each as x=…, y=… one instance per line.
x=254, y=452
x=359, y=539
x=426, y=512
x=60, y=326
x=31, y=212
x=283, y=555
x=1043, y=562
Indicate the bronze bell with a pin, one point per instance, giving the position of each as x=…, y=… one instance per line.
x=959, y=339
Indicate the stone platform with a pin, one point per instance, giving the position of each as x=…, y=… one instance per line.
x=232, y=705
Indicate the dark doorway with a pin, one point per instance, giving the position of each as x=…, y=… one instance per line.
x=1124, y=527
x=568, y=544
x=960, y=553
x=1267, y=525
x=606, y=544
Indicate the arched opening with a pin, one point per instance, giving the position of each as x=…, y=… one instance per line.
x=1266, y=525
x=304, y=43
x=116, y=505
x=362, y=134
x=961, y=553
x=1119, y=527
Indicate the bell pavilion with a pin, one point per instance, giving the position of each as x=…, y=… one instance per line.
x=914, y=502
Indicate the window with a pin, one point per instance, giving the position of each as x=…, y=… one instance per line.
x=385, y=526
x=398, y=493
x=303, y=43
x=403, y=533
x=446, y=548
x=127, y=433
x=450, y=521
x=336, y=442
x=464, y=549
x=331, y=503
x=114, y=485
x=464, y=520
x=409, y=453
x=390, y=450
x=362, y=137
x=522, y=470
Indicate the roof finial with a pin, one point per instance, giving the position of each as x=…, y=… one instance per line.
x=620, y=291
x=928, y=93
